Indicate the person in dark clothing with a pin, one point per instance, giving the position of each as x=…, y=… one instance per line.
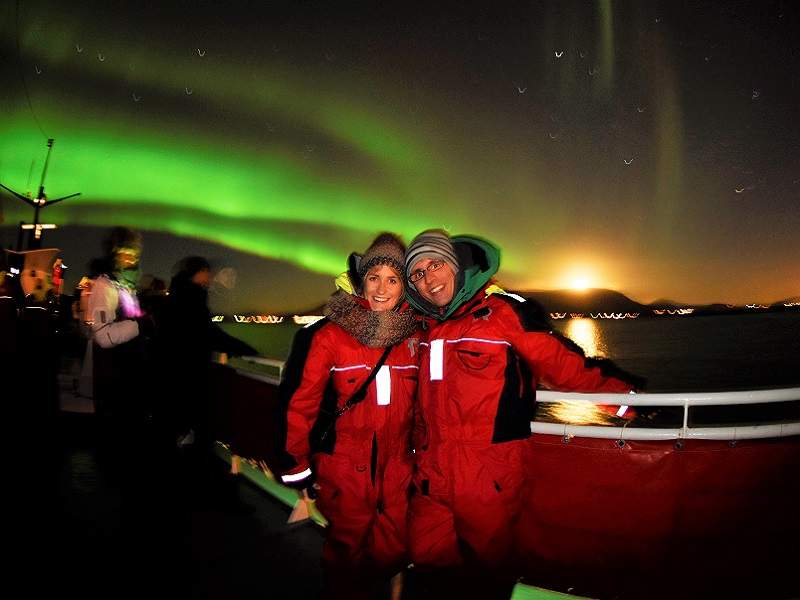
x=186, y=339
x=120, y=339
x=118, y=329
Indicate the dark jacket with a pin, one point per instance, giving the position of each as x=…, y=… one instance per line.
x=187, y=334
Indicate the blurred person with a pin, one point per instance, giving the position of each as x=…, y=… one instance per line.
x=348, y=393
x=117, y=327
x=120, y=333
x=482, y=354
x=186, y=340
x=152, y=292
x=153, y=296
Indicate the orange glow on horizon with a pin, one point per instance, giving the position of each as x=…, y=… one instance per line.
x=581, y=284
x=579, y=277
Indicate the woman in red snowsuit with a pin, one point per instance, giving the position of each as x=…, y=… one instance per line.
x=362, y=466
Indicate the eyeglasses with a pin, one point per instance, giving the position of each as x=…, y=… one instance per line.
x=420, y=273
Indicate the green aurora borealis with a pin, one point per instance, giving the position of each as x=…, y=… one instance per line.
x=295, y=136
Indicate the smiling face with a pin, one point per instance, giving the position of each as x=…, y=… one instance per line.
x=383, y=287
x=436, y=286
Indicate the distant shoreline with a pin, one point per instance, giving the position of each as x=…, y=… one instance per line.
x=599, y=304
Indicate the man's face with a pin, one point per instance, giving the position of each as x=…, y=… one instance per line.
x=437, y=287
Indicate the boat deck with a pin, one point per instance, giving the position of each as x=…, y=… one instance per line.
x=159, y=521
x=102, y=517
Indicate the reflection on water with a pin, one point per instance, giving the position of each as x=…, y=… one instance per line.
x=588, y=336
x=674, y=354
x=574, y=412
x=584, y=412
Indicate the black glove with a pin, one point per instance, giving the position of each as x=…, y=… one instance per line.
x=312, y=491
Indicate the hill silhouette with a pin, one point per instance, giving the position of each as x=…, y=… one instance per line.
x=601, y=300
x=592, y=300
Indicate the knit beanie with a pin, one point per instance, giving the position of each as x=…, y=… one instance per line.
x=386, y=249
x=433, y=244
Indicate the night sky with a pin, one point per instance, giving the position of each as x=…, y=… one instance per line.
x=648, y=147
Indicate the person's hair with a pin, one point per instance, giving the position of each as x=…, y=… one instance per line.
x=186, y=268
x=121, y=237
x=100, y=266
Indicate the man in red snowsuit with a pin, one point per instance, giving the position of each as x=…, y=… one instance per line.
x=482, y=357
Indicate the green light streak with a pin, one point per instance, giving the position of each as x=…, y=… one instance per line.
x=120, y=153
x=669, y=138
x=205, y=179
x=199, y=194
x=605, y=79
x=181, y=173
x=321, y=250
x=266, y=89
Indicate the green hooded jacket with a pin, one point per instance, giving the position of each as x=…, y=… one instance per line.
x=478, y=261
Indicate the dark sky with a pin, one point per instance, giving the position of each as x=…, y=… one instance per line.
x=649, y=147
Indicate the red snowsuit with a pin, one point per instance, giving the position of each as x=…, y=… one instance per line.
x=478, y=372
x=364, y=480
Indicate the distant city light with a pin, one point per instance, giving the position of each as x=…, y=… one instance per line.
x=260, y=319
x=306, y=319
x=669, y=311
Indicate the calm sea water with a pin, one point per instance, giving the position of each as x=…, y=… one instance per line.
x=700, y=354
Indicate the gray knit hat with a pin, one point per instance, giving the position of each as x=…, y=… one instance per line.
x=433, y=243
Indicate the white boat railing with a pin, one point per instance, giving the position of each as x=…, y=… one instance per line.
x=682, y=399
x=686, y=400
x=677, y=398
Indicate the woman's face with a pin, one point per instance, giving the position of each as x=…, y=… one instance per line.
x=383, y=287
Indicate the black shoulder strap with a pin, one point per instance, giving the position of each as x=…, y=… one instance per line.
x=357, y=397
x=361, y=392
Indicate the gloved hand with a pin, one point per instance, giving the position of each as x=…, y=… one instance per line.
x=311, y=491
x=624, y=412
